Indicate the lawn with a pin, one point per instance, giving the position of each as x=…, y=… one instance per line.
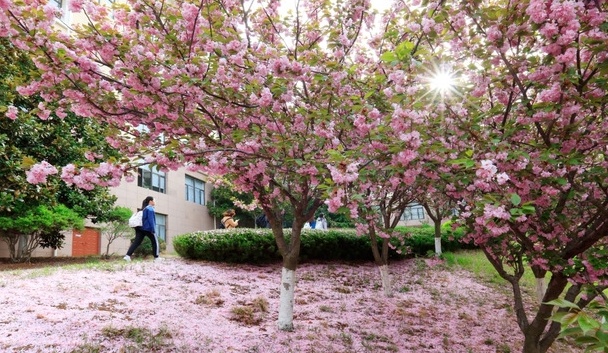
x=184, y=306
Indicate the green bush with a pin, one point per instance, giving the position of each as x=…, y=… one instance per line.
x=245, y=245
x=145, y=248
x=421, y=240
x=240, y=245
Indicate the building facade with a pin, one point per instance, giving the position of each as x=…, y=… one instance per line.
x=181, y=207
x=415, y=215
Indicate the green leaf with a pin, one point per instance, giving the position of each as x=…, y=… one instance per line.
x=515, y=199
x=528, y=209
x=586, y=340
x=571, y=332
x=562, y=181
x=562, y=303
x=569, y=318
x=603, y=337
x=388, y=57
x=516, y=212
x=587, y=323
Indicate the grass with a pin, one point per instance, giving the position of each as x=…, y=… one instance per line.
x=476, y=262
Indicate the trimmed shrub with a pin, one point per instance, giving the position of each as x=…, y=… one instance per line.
x=240, y=245
x=145, y=248
x=245, y=245
x=421, y=240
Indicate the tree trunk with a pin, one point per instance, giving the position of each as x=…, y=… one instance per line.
x=438, y=237
x=387, y=285
x=290, y=255
x=532, y=343
x=288, y=286
x=438, y=246
x=541, y=288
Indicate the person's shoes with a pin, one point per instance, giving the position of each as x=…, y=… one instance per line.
x=127, y=258
x=158, y=259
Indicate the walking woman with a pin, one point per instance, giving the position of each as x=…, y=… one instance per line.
x=148, y=229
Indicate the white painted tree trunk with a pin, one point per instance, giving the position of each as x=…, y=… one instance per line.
x=288, y=284
x=438, y=246
x=541, y=288
x=387, y=285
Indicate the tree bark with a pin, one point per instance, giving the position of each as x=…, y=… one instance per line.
x=438, y=247
x=536, y=337
x=387, y=283
x=288, y=284
x=541, y=288
x=531, y=344
x=437, y=237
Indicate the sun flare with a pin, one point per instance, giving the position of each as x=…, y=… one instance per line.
x=442, y=82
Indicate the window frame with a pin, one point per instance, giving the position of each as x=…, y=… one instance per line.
x=161, y=226
x=192, y=191
x=159, y=186
x=414, y=212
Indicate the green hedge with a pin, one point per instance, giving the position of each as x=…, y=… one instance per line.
x=145, y=248
x=421, y=240
x=245, y=245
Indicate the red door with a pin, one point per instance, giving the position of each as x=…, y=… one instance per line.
x=86, y=242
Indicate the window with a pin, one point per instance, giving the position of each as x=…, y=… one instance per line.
x=413, y=212
x=58, y=3
x=161, y=226
x=152, y=178
x=195, y=190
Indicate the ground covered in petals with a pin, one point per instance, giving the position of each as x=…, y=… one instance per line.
x=183, y=306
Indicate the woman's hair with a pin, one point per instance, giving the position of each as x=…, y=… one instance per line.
x=229, y=212
x=146, y=201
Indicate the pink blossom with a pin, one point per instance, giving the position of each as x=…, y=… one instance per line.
x=568, y=58
x=537, y=10
x=551, y=94
x=414, y=27
x=344, y=174
x=491, y=211
x=75, y=5
x=487, y=170
x=494, y=34
x=39, y=172
x=502, y=178
x=549, y=30
x=11, y=112
x=427, y=25
x=336, y=200
x=502, y=156
x=265, y=97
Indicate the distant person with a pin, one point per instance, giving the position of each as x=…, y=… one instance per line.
x=262, y=221
x=321, y=222
x=147, y=229
x=312, y=223
x=228, y=220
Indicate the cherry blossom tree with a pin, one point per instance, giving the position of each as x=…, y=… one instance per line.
x=531, y=170
x=439, y=207
x=250, y=92
x=378, y=176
